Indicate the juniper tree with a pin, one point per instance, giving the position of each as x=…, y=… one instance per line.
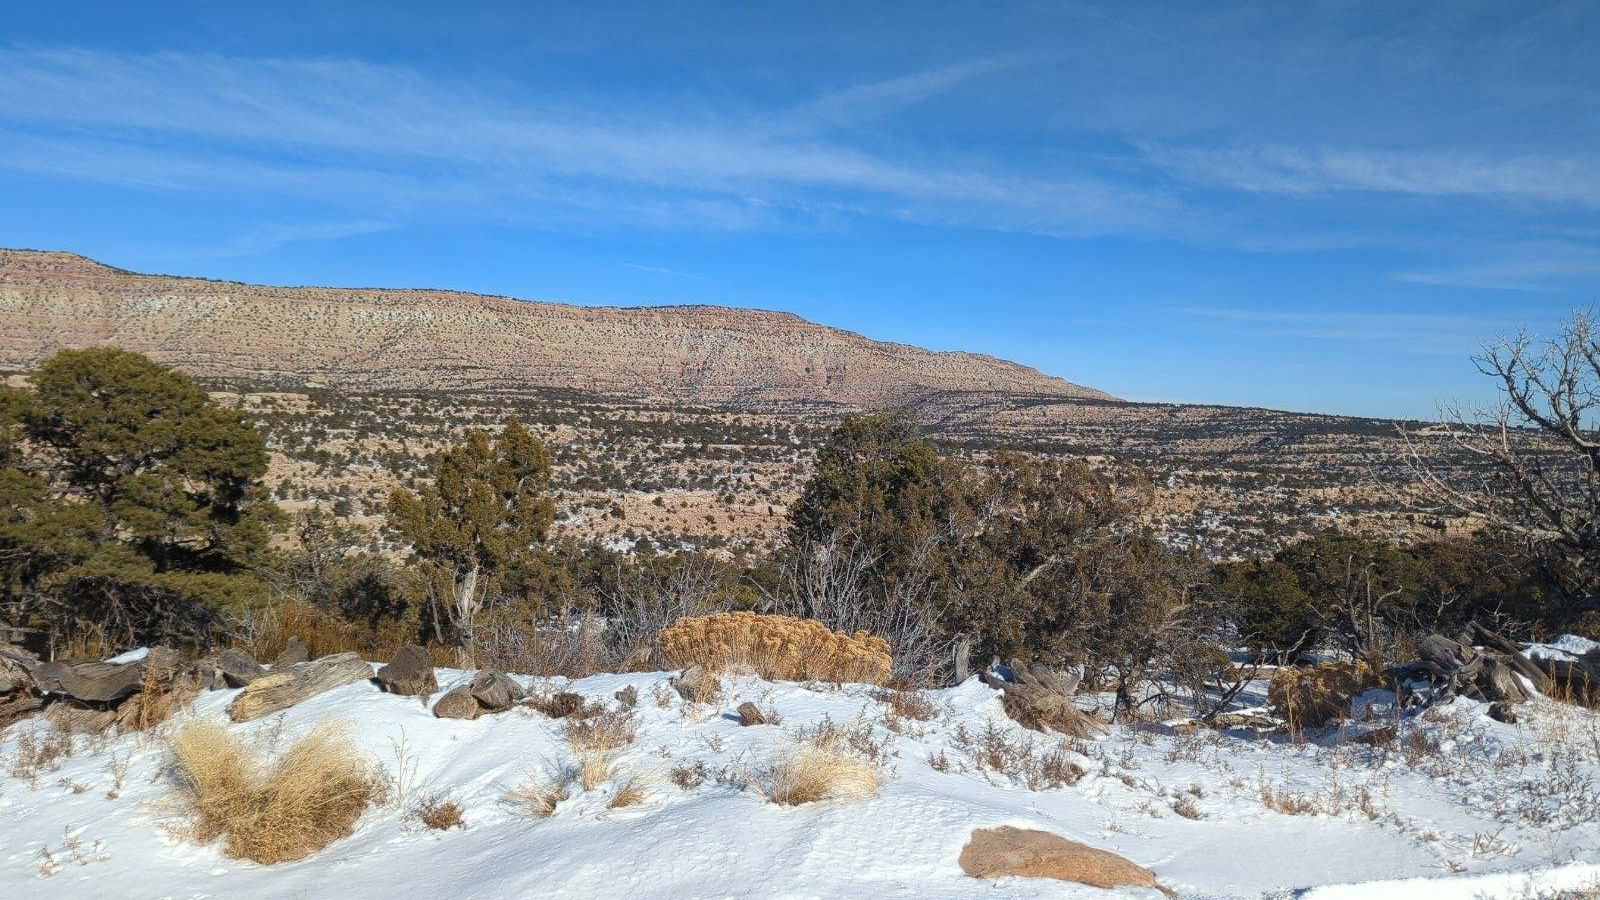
x=133, y=505
x=485, y=512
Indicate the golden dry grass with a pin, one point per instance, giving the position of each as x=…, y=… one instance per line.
x=440, y=814
x=821, y=768
x=538, y=795
x=1315, y=696
x=606, y=731
x=631, y=791
x=271, y=811
x=594, y=769
x=781, y=648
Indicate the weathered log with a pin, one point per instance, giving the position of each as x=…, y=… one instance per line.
x=294, y=651
x=1514, y=656
x=18, y=705
x=410, y=674
x=281, y=690
x=1499, y=683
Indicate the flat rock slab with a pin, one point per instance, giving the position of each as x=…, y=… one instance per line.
x=1026, y=853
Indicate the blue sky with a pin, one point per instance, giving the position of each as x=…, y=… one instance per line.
x=1322, y=206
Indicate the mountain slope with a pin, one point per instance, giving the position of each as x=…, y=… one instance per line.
x=426, y=339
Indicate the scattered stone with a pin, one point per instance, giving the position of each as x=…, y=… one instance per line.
x=1027, y=853
x=750, y=714
x=457, y=704
x=496, y=691
x=295, y=651
x=1503, y=712
x=281, y=690
x=102, y=682
x=238, y=668
x=410, y=674
x=697, y=685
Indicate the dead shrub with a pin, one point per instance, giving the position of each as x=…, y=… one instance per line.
x=606, y=731
x=688, y=776
x=594, y=769
x=1316, y=696
x=811, y=773
x=780, y=648
x=273, y=811
x=538, y=795
x=826, y=763
x=631, y=792
x=326, y=633
x=440, y=814
x=907, y=703
x=39, y=752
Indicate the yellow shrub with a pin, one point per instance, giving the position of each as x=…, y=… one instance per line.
x=277, y=811
x=782, y=648
x=1315, y=696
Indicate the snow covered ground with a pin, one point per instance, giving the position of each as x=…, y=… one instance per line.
x=1454, y=805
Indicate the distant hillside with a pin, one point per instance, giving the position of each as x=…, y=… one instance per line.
x=372, y=338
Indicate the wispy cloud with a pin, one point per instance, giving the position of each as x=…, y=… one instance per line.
x=1426, y=333
x=660, y=270
x=342, y=127
x=1284, y=169
x=1536, y=266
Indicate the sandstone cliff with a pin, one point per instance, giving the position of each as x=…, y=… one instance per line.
x=367, y=338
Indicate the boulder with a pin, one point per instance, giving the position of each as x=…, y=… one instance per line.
x=295, y=651
x=238, y=668
x=102, y=682
x=1027, y=853
x=495, y=691
x=410, y=674
x=750, y=714
x=458, y=704
x=281, y=690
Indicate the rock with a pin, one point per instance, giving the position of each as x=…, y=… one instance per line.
x=750, y=714
x=628, y=697
x=97, y=682
x=16, y=669
x=281, y=690
x=495, y=691
x=295, y=651
x=998, y=852
x=458, y=704
x=410, y=674
x=238, y=668
x=1503, y=711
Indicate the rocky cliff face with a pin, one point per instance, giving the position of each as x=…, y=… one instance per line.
x=365, y=339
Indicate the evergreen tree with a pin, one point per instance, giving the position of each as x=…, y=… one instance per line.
x=483, y=515
x=134, y=510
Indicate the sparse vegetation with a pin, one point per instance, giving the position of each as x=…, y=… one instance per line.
x=270, y=810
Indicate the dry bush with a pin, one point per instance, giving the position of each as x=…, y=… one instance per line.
x=689, y=776
x=594, y=769
x=606, y=731
x=538, y=795
x=1316, y=696
x=813, y=772
x=531, y=647
x=1020, y=755
x=631, y=792
x=829, y=762
x=326, y=633
x=440, y=814
x=908, y=703
x=159, y=696
x=274, y=811
x=39, y=752
x=1288, y=802
x=781, y=648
